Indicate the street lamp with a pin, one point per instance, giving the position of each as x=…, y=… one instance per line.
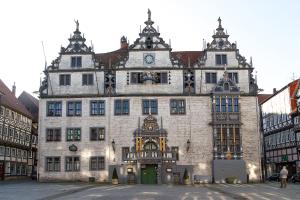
x=113, y=144
x=188, y=144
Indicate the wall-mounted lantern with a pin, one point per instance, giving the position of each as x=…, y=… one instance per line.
x=188, y=145
x=113, y=144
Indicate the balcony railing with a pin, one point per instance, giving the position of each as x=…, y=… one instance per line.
x=150, y=155
x=226, y=117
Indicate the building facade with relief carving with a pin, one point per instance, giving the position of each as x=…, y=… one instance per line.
x=149, y=112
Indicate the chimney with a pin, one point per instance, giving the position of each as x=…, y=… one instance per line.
x=14, y=89
x=124, y=43
x=274, y=90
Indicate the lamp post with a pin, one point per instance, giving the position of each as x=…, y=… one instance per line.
x=113, y=144
x=188, y=145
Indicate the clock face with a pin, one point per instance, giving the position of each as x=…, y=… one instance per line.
x=148, y=59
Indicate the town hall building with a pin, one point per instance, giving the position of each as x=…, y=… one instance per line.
x=151, y=114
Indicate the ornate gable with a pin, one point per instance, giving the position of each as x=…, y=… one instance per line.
x=149, y=38
x=77, y=43
x=221, y=43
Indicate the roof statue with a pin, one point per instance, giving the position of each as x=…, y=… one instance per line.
x=77, y=25
x=149, y=14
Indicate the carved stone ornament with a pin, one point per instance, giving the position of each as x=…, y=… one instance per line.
x=73, y=147
x=150, y=124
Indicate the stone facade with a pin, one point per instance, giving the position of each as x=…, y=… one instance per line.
x=174, y=135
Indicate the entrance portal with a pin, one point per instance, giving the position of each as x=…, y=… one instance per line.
x=148, y=174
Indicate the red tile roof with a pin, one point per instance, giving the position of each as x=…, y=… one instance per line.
x=8, y=99
x=263, y=97
x=185, y=58
x=31, y=104
x=112, y=58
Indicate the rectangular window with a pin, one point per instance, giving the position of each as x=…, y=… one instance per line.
x=97, y=107
x=54, y=109
x=221, y=59
x=97, y=133
x=73, y=134
x=76, y=61
x=7, y=151
x=74, y=108
x=162, y=77
x=218, y=104
x=97, y=163
x=177, y=106
x=175, y=152
x=210, y=77
x=229, y=99
x=72, y=163
x=223, y=104
x=136, y=77
x=53, y=135
x=122, y=107
x=149, y=105
x=1, y=150
x=236, y=104
x=233, y=76
x=87, y=79
x=64, y=79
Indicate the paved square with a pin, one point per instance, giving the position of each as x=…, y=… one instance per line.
x=29, y=190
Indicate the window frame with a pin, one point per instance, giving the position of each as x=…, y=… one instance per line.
x=55, y=103
x=122, y=108
x=64, y=79
x=223, y=59
x=98, y=108
x=150, y=107
x=98, y=138
x=75, y=109
x=211, y=77
x=72, y=164
x=74, y=133
x=99, y=165
x=56, y=135
x=177, y=106
x=233, y=76
x=138, y=79
x=76, y=63
x=87, y=79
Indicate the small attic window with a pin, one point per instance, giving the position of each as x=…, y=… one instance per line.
x=76, y=61
x=149, y=43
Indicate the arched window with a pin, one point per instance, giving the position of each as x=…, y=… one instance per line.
x=150, y=146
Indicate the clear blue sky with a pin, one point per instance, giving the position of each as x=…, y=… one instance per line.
x=265, y=30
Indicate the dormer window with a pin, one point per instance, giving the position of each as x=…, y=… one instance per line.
x=149, y=43
x=221, y=59
x=76, y=61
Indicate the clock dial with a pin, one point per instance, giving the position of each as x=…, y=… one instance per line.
x=149, y=59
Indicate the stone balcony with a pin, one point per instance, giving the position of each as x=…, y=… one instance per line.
x=150, y=156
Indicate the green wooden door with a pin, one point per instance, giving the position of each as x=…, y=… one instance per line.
x=148, y=175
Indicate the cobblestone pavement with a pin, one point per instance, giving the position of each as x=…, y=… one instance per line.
x=29, y=190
